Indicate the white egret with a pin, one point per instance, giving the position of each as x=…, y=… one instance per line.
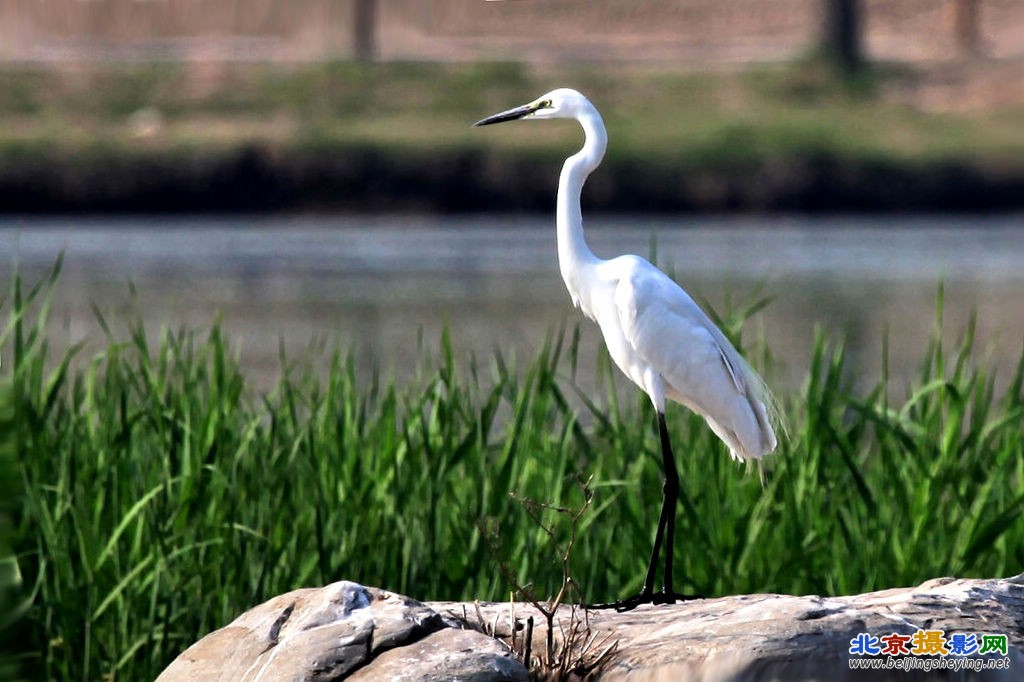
x=655, y=333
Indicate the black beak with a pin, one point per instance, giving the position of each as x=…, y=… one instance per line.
x=510, y=115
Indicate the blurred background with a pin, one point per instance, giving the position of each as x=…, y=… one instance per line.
x=307, y=172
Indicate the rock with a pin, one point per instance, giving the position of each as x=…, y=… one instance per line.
x=449, y=654
x=345, y=630
x=771, y=636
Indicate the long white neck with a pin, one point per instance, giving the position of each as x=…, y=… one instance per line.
x=575, y=259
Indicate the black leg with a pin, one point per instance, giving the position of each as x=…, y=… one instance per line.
x=666, y=533
x=671, y=501
x=652, y=566
x=667, y=518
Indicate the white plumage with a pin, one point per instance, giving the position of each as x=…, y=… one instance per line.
x=655, y=333
x=666, y=344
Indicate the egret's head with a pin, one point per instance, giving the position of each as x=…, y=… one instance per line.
x=560, y=103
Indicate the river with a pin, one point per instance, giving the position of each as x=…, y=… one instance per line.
x=385, y=286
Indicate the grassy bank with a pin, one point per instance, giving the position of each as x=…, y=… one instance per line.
x=160, y=497
x=342, y=135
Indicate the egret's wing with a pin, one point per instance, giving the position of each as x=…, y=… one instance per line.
x=700, y=368
x=670, y=333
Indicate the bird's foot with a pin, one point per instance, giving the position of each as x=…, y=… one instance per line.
x=631, y=603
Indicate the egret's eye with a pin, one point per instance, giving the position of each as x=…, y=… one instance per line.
x=546, y=104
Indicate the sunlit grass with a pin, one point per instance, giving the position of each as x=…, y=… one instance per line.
x=756, y=113
x=160, y=497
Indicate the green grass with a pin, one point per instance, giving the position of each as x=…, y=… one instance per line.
x=160, y=497
x=753, y=114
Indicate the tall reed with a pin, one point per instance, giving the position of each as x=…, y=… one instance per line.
x=158, y=497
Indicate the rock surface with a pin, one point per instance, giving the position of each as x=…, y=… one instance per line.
x=343, y=631
x=347, y=631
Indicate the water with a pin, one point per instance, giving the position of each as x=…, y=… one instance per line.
x=386, y=286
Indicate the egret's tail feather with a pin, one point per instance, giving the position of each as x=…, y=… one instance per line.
x=765, y=423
